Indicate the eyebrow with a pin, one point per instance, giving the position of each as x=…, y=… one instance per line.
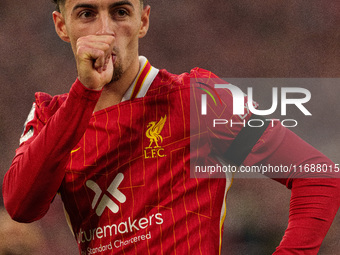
x=94, y=6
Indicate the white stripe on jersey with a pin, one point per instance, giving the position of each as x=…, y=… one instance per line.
x=146, y=84
x=24, y=137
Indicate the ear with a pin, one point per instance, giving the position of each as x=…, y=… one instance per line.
x=144, y=21
x=60, y=27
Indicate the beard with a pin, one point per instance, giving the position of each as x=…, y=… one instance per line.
x=117, y=67
x=117, y=72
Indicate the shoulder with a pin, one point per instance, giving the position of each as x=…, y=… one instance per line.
x=46, y=105
x=166, y=81
x=184, y=78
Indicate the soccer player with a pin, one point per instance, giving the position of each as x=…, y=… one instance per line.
x=117, y=149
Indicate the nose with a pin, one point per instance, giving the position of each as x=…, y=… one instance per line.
x=105, y=25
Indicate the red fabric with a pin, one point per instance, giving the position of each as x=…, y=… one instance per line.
x=39, y=165
x=38, y=170
x=314, y=201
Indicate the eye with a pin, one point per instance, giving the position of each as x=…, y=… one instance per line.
x=86, y=14
x=120, y=13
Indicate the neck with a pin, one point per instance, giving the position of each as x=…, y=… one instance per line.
x=113, y=92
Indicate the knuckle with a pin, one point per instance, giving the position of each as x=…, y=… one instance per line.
x=106, y=47
x=100, y=53
x=80, y=50
x=80, y=41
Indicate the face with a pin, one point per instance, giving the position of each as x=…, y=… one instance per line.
x=126, y=20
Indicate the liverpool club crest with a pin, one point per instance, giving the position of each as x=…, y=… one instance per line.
x=153, y=133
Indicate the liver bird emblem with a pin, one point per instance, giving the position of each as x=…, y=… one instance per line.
x=154, y=130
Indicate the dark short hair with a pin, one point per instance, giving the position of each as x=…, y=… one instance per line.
x=59, y=3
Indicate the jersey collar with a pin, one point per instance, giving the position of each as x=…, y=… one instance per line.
x=143, y=81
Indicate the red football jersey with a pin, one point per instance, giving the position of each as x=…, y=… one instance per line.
x=124, y=172
x=127, y=186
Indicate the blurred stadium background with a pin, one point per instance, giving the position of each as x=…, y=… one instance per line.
x=232, y=38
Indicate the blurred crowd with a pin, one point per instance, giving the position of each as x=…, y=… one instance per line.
x=232, y=38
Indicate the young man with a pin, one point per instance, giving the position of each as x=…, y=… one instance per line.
x=117, y=149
